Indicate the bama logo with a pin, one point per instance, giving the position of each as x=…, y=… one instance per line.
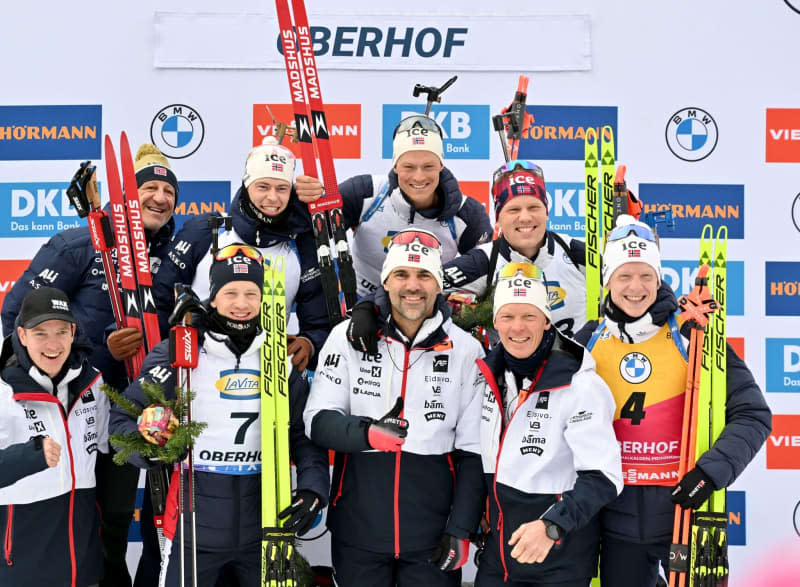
x=10, y=270
x=680, y=276
x=783, y=443
x=201, y=197
x=559, y=132
x=36, y=209
x=695, y=205
x=50, y=132
x=782, y=288
x=344, y=127
x=783, y=135
x=241, y=384
x=465, y=128
x=737, y=518
x=783, y=365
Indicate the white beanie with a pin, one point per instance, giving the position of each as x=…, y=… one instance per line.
x=416, y=139
x=414, y=255
x=630, y=249
x=269, y=160
x=521, y=290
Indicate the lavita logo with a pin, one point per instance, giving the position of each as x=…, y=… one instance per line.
x=783, y=365
x=36, y=209
x=465, y=128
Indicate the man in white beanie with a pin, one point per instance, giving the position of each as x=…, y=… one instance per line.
x=548, y=448
x=408, y=488
x=640, y=347
x=419, y=190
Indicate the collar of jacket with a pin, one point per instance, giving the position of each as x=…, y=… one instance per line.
x=449, y=198
x=640, y=329
x=432, y=331
x=256, y=234
x=541, y=259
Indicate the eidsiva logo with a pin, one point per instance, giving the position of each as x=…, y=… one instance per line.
x=737, y=518
x=782, y=288
x=691, y=134
x=465, y=128
x=695, y=205
x=680, y=276
x=10, y=270
x=177, y=130
x=241, y=384
x=344, y=127
x=783, y=443
x=50, y=132
x=201, y=197
x=783, y=135
x=36, y=209
x=783, y=365
x=559, y=132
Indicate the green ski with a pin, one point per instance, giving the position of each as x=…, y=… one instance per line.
x=277, y=546
x=608, y=161
x=592, y=227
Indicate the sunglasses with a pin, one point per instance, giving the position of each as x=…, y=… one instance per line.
x=418, y=121
x=516, y=165
x=526, y=269
x=240, y=250
x=621, y=232
x=407, y=237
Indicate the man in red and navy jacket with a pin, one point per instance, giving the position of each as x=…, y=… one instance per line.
x=53, y=420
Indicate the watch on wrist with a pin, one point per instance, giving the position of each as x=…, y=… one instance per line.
x=553, y=530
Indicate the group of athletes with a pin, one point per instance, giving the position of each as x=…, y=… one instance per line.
x=528, y=448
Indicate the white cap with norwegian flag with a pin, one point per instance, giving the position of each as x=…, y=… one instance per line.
x=632, y=248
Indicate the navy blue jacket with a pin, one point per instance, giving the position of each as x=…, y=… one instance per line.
x=229, y=506
x=193, y=242
x=644, y=514
x=69, y=262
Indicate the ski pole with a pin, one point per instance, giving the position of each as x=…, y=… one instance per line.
x=434, y=93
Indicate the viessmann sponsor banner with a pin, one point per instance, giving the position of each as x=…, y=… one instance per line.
x=450, y=42
x=695, y=205
x=559, y=132
x=783, y=443
x=39, y=209
x=465, y=128
x=50, y=132
x=10, y=270
x=783, y=135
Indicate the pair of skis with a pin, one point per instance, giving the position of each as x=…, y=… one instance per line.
x=327, y=218
x=278, y=567
x=699, y=554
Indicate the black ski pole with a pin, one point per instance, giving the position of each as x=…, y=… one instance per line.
x=434, y=93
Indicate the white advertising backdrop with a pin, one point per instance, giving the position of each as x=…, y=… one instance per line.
x=643, y=61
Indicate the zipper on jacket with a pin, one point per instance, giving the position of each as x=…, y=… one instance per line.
x=407, y=353
x=9, y=535
x=452, y=470
x=341, y=481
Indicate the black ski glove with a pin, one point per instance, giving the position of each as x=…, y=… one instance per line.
x=693, y=490
x=451, y=553
x=363, y=329
x=302, y=513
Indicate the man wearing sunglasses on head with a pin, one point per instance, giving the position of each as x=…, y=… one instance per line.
x=69, y=262
x=418, y=191
x=640, y=348
x=227, y=453
x=549, y=453
x=267, y=215
x=408, y=487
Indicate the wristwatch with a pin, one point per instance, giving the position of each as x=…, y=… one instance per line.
x=553, y=530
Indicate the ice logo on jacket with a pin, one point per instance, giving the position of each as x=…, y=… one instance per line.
x=239, y=384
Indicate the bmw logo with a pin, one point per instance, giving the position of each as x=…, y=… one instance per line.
x=177, y=130
x=691, y=134
x=635, y=368
x=796, y=518
x=796, y=212
x=794, y=5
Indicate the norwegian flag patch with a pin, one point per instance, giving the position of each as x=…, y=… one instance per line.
x=418, y=141
x=277, y=167
x=413, y=258
x=634, y=253
x=160, y=171
x=240, y=268
x=520, y=293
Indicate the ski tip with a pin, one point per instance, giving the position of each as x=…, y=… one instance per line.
x=707, y=233
x=722, y=233
x=608, y=133
x=619, y=178
x=591, y=136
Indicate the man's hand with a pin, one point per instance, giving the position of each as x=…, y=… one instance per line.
x=389, y=433
x=300, y=349
x=532, y=543
x=309, y=189
x=124, y=343
x=52, y=451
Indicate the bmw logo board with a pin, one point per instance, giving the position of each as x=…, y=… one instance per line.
x=691, y=134
x=177, y=130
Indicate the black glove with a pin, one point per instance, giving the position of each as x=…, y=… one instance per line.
x=693, y=490
x=362, y=332
x=451, y=554
x=302, y=513
x=389, y=433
